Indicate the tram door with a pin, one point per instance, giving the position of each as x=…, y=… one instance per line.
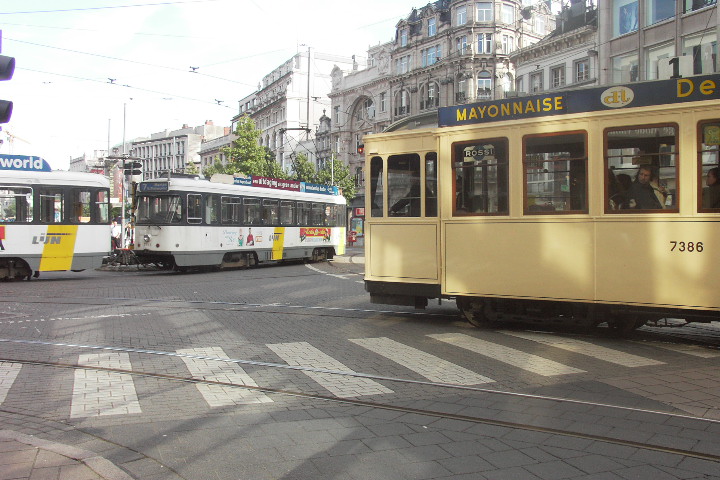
x=403, y=231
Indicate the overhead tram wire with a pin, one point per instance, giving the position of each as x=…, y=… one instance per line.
x=165, y=67
x=104, y=82
x=85, y=9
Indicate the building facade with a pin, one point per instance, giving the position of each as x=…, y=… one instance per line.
x=211, y=151
x=289, y=101
x=621, y=41
x=653, y=39
x=566, y=58
x=448, y=52
x=170, y=151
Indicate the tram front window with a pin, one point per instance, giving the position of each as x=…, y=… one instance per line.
x=481, y=177
x=404, y=185
x=555, y=173
x=376, y=187
x=642, y=171
x=159, y=209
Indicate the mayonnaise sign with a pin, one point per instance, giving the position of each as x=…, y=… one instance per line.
x=23, y=163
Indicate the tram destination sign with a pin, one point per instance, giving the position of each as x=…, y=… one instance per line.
x=609, y=97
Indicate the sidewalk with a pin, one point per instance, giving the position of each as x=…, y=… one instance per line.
x=24, y=457
x=352, y=255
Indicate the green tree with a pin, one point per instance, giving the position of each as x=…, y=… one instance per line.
x=246, y=155
x=335, y=173
x=191, y=168
x=303, y=169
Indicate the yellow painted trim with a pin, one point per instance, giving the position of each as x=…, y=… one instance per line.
x=278, y=243
x=59, y=248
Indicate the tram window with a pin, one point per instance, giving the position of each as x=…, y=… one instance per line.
x=481, y=177
x=317, y=214
x=404, y=185
x=251, y=211
x=212, y=209
x=194, y=208
x=287, y=212
x=555, y=173
x=81, y=206
x=159, y=209
x=708, y=167
x=376, y=187
x=51, y=206
x=16, y=204
x=431, y=184
x=270, y=211
x=231, y=210
x=642, y=170
x=303, y=211
x=102, y=206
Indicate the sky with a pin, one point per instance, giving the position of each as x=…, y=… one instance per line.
x=67, y=52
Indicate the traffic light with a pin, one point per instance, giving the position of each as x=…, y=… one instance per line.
x=132, y=168
x=361, y=149
x=7, y=68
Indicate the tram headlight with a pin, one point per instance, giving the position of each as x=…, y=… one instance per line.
x=146, y=238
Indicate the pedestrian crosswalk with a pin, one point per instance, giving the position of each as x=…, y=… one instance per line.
x=106, y=386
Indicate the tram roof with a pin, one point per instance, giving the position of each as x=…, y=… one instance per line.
x=21, y=177
x=205, y=185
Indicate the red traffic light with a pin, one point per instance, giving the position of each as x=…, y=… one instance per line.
x=361, y=149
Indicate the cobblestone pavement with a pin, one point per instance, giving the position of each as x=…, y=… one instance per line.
x=377, y=410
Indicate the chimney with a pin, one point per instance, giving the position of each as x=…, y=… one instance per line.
x=208, y=122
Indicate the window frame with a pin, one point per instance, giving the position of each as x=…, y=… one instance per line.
x=526, y=206
x=606, y=163
x=701, y=165
x=499, y=165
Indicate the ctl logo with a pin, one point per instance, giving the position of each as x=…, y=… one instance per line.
x=51, y=238
x=616, y=97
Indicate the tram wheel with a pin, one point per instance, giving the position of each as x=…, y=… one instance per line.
x=474, y=311
x=622, y=324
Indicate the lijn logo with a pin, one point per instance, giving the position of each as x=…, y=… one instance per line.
x=51, y=238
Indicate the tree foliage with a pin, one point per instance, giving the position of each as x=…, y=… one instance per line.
x=245, y=155
x=303, y=170
x=191, y=168
x=248, y=157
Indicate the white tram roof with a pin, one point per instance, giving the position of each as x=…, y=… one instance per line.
x=203, y=185
x=31, y=178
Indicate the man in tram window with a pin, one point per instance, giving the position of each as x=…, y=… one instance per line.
x=711, y=193
x=643, y=192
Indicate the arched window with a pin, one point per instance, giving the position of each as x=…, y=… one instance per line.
x=484, y=86
x=429, y=96
x=402, y=103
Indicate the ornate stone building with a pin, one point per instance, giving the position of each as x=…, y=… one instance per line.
x=445, y=53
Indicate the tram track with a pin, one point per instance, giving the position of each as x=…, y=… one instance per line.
x=701, y=455
x=212, y=305
x=694, y=334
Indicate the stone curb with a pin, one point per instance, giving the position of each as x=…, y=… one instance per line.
x=103, y=467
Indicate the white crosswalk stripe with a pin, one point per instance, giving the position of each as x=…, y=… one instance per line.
x=97, y=392
x=429, y=366
x=694, y=350
x=219, y=371
x=304, y=354
x=517, y=358
x=586, y=348
x=8, y=374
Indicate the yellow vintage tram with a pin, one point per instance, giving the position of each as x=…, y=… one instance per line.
x=597, y=205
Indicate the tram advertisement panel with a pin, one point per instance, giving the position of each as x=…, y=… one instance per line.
x=658, y=92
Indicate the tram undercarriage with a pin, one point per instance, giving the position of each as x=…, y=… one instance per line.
x=483, y=312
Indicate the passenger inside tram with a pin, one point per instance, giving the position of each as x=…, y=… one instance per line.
x=711, y=192
x=645, y=193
